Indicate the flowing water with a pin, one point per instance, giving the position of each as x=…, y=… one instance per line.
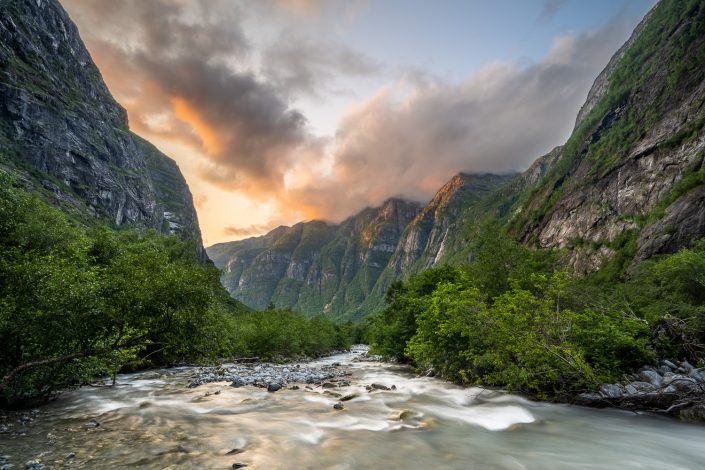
x=152, y=420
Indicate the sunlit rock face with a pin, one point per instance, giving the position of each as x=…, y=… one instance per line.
x=315, y=266
x=66, y=136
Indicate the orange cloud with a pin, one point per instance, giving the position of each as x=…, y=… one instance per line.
x=188, y=113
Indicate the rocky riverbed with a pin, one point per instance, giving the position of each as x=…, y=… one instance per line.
x=270, y=376
x=674, y=387
x=342, y=412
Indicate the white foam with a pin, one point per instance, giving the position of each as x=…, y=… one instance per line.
x=493, y=418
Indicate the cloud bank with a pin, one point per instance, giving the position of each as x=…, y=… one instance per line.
x=187, y=72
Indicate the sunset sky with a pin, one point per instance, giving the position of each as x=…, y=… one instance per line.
x=284, y=110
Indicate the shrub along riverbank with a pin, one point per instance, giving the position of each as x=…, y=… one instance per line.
x=514, y=319
x=79, y=302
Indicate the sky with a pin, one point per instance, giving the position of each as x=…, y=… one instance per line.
x=285, y=110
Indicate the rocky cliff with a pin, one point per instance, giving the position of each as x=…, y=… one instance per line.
x=631, y=175
x=68, y=139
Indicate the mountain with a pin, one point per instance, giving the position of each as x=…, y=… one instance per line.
x=629, y=184
x=66, y=137
x=315, y=266
x=631, y=175
x=344, y=270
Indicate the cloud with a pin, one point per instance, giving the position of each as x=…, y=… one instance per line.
x=178, y=74
x=297, y=64
x=549, y=9
x=497, y=120
x=185, y=72
x=242, y=232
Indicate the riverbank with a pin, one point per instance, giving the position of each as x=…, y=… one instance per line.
x=389, y=418
x=675, y=388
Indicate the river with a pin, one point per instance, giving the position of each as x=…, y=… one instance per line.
x=153, y=420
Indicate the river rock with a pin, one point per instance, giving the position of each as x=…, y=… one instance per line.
x=379, y=387
x=611, y=391
x=239, y=465
x=349, y=397
x=237, y=382
x=652, y=377
x=338, y=406
x=589, y=399
x=70, y=455
x=694, y=413
x=663, y=369
x=7, y=466
x=273, y=387
x=638, y=388
x=687, y=366
x=685, y=384
x=698, y=374
x=669, y=364
x=34, y=465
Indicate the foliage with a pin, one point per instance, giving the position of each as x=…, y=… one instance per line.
x=540, y=330
x=275, y=333
x=79, y=302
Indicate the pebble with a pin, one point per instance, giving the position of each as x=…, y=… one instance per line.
x=338, y=406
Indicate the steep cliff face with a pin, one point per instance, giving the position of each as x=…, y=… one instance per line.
x=315, y=266
x=632, y=171
x=66, y=136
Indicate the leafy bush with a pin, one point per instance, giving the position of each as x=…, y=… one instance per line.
x=80, y=302
x=499, y=323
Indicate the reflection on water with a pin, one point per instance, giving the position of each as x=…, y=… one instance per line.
x=152, y=420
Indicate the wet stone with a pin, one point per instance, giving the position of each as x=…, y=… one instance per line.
x=611, y=391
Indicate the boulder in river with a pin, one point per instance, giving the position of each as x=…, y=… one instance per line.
x=378, y=387
x=338, y=406
x=273, y=387
x=237, y=382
